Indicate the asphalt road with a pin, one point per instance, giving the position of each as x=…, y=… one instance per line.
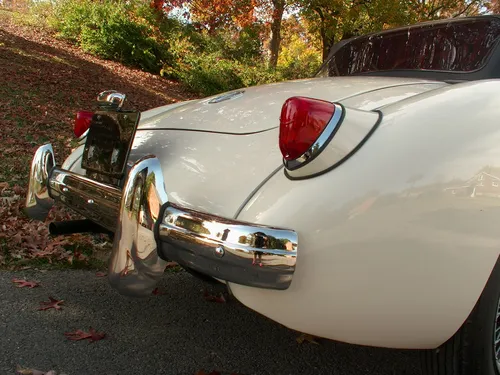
x=175, y=333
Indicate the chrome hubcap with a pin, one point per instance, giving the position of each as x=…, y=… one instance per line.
x=496, y=338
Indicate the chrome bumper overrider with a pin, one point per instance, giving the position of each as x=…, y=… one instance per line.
x=142, y=219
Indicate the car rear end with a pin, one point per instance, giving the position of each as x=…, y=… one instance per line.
x=341, y=207
x=169, y=184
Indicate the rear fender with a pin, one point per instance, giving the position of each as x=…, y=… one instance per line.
x=398, y=241
x=73, y=162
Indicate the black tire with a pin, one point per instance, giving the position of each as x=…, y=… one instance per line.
x=470, y=350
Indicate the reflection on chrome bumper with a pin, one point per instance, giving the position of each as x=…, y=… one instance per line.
x=96, y=201
x=227, y=249
x=142, y=218
x=135, y=266
x=38, y=201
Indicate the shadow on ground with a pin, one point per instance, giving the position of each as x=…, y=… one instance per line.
x=44, y=82
x=174, y=333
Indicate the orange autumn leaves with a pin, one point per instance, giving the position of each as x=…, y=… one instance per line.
x=53, y=303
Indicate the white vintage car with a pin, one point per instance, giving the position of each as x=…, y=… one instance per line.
x=361, y=205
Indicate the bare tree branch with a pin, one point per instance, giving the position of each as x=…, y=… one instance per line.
x=465, y=9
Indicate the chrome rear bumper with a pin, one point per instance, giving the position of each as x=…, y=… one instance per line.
x=148, y=229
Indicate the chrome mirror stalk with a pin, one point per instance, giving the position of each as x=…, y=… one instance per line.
x=111, y=100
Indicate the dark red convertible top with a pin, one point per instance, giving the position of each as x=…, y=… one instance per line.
x=458, y=49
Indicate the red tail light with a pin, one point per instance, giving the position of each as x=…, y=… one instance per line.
x=301, y=123
x=82, y=122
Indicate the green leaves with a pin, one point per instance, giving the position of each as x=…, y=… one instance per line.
x=122, y=31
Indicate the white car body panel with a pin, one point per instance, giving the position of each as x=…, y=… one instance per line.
x=386, y=256
x=374, y=99
x=200, y=168
x=74, y=161
x=259, y=108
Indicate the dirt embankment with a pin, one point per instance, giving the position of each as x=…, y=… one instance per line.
x=43, y=83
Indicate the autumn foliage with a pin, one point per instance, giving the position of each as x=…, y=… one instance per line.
x=218, y=45
x=223, y=14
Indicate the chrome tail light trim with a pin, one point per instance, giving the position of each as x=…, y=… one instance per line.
x=354, y=128
x=319, y=145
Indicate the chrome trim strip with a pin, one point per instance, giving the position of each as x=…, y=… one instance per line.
x=227, y=96
x=320, y=144
x=92, y=199
x=81, y=140
x=38, y=200
x=135, y=267
x=228, y=249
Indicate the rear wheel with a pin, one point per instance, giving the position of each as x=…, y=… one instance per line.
x=475, y=348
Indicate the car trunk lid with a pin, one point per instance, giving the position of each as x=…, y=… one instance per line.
x=215, y=155
x=256, y=109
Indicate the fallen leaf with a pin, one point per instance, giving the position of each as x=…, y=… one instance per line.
x=52, y=304
x=52, y=246
x=18, y=190
x=157, y=292
x=23, y=371
x=304, y=337
x=29, y=371
x=25, y=283
x=101, y=274
x=171, y=265
x=78, y=335
x=213, y=298
x=17, y=239
x=77, y=255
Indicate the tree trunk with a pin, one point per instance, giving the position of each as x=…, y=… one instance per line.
x=278, y=9
x=328, y=25
x=327, y=41
x=324, y=42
